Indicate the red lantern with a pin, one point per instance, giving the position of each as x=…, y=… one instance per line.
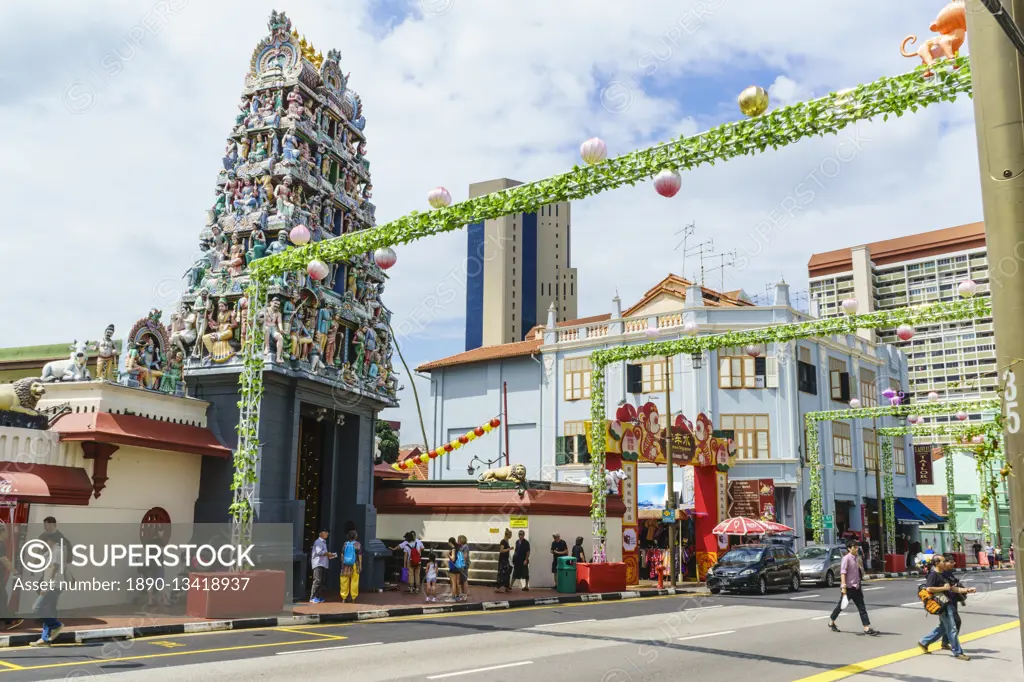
x=448, y=447
x=403, y=465
x=463, y=440
x=668, y=182
x=478, y=431
x=432, y=454
x=905, y=332
x=495, y=423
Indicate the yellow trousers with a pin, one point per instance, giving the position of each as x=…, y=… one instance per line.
x=350, y=586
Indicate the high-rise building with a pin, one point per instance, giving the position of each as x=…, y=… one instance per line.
x=954, y=359
x=518, y=266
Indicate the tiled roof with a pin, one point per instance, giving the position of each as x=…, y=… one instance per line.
x=912, y=246
x=676, y=286
x=506, y=350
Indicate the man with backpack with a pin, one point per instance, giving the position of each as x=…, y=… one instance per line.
x=351, y=567
x=936, y=595
x=413, y=549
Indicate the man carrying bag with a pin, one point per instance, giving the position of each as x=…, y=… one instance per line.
x=936, y=595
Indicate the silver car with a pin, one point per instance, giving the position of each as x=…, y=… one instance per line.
x=820, y=564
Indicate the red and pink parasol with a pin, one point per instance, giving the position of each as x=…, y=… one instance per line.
x=773, y=527
x=740, y=525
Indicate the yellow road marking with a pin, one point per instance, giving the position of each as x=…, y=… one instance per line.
x=10, y=666
x=121, y=659
x=313, y=634
x=864, y=666
x=166, y=645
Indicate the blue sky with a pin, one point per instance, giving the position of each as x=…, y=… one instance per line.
x=110, y=180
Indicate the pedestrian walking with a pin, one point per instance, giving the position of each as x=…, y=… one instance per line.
x=991, y=552
x=999, y=556
x=430, y=583
x=940, y=593
x=45, y=606
x=462, y=560
x=558, y=549
x=956, y=599
x=850, y=579
x=977, y=551
x=577, y=551
x=351, y=567
x=320, y=561
x=453, y=573
x=521, y=561
x=505, y=563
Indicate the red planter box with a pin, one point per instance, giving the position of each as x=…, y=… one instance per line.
x=961, y=559
x=895, y=563
x=601, y=577
x=263, y=595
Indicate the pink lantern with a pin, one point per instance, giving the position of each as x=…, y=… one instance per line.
x=912, y=419
x=652, y=332
x=439, y=197
x=317, y=269
x=855, y=403
x=594, y=150
x=384, y=257
x=967, y=288
x=978, y=440
x=299, y=235
x=961, y=416
x=905, y=332
x=668, y=182
x=752, y=350
x=691, y=328
x=850, y=306
x=932, y=396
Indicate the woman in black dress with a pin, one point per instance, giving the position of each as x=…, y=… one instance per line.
x=504, y=563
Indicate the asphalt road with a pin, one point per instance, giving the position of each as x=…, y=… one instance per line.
x=780, y=636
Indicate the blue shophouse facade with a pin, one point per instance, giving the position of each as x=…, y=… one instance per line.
x=763, y=399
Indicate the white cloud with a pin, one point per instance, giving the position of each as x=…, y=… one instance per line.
x=103, y=207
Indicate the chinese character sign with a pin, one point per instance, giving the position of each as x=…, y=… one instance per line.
x=923, y=464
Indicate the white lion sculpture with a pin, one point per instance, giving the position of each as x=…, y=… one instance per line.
x=21, y=396
x=514, y=474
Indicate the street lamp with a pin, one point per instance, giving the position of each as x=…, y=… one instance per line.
x=697, y=359
x=470, y=469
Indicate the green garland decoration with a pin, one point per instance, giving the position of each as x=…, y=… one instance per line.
x=951, y=524
x=890, y=95
x=598, y=486
x=889, y=544
x=811, y=420
x=886, y=96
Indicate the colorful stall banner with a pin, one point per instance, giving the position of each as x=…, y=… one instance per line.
x=923, y=464
x=639, y=435
x=722, y=479
x=629, y=493
x=766, y=499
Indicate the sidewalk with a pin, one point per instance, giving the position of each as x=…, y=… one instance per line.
x=371, y=606
x=993, y=657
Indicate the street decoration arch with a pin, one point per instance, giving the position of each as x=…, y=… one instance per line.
x=965, y=437
x=812, y=419
x=891, y=95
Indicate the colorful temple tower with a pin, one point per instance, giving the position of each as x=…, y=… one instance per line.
x=294, y=171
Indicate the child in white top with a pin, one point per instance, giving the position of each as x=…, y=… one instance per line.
x=430, y=587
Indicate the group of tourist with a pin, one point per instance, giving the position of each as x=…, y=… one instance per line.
x=418, y=575
x=351, y=566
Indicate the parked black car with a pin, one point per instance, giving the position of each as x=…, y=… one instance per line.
x=755, y=567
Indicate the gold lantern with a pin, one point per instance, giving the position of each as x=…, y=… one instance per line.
x=753, y=101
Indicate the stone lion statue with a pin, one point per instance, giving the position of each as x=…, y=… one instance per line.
x=514, y=474
x=22, y=396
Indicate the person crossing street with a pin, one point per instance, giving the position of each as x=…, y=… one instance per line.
x=850, y=577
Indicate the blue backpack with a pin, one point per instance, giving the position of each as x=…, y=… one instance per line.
x=460, y=560
x=349, y=557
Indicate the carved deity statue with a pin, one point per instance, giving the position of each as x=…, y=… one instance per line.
x=218, y=342
x=273, y=330
x=106, y=356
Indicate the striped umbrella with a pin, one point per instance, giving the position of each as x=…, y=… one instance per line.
x=740, y=525
x=773, y=527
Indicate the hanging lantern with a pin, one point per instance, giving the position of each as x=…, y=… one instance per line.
x=961, y=416
x=753, y=350
x=384, y=257
x=932, y=396
x=471, y=436
x=299, y=235
x=448, y=447
x=594, y=150
x=905, y=332
x=668, y=182
x=850, y=306
x=478, y=431
x=456, y=445
x=432, y=454
x=495, y=423
x=439, y=197
x=978, y=440
x=912, y=419
x=967, y=288
x=855, y=403
x=318, y=269
x=691, y=328
x=753, y=101
x=651, y=332
x=487, y=428
x=463, y=440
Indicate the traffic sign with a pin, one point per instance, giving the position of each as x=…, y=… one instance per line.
x=668, y=515
x=827, y=522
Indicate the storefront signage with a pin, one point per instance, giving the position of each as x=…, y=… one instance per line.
x=923, y=464
x=668, y=516
x=754, y=499
x=766, y=499
x=723, y=495
x=518, y=522
x=629, y=494
x=640, y=435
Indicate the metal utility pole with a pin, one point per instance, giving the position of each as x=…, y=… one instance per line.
x=996, y=69
x=700, y=250
x=671, y=492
